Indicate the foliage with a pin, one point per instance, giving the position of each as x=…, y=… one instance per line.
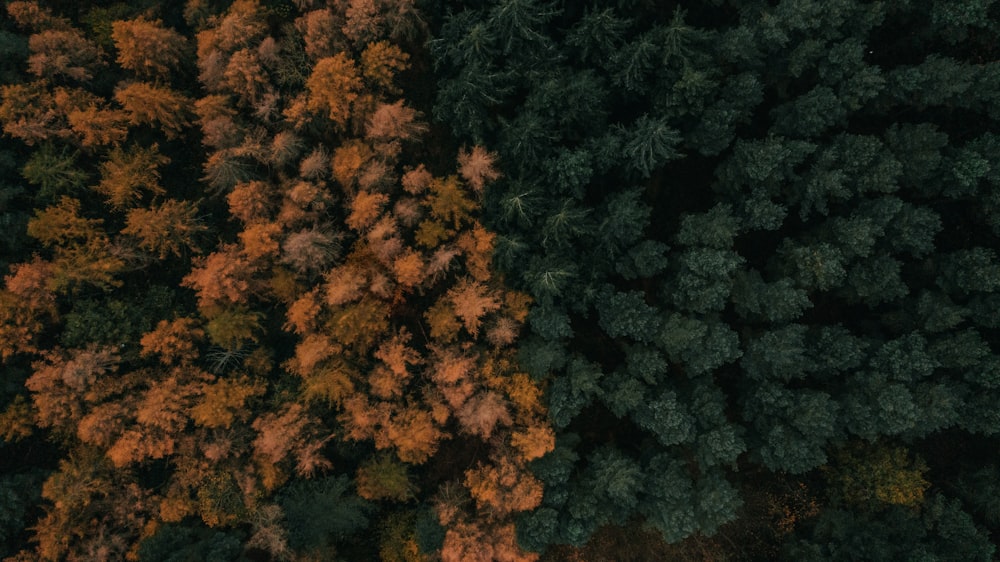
x=501, y=280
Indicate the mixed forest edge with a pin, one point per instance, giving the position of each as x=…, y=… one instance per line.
x=513, y=280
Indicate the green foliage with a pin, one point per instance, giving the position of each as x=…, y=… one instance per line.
x=113, y=321
x=793, y=428
x=320, y=512
x=19, y=492
x=972, y=270
x=182, y=543
x=570, y=393
x=55, y=173
x=703, y=279
x=667, y=418
x=627, y=314
x=940, y=530
x=649, y=144
x=757, y=300
x=753, y=235
x=701, y=346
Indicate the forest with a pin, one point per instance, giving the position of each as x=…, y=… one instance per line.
x=499, y=280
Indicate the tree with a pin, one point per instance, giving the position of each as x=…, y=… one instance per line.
x=381, y=61
x=147, y=104
x=147, y=48
x=332, y=87
x=869, y=478
x=98, y=127
x=55, y=173
x=174, y=341
x=62, y=224
x=62, y=53
x=384, y=478
x=169, y=228
x=940, y=528
x=128, y=172
x=290, y=434
x=222, y=276
x=29, y=112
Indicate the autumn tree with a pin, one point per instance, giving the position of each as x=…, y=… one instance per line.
x=158, y=106
x=147, y=48
x=170, y=228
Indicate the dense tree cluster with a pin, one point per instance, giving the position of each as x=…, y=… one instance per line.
x=453, y=280
x=754, y=232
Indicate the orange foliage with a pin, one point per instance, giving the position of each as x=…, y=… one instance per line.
x=534, y=441
x=394, y=121
x=245, y=76
x=383, y=241
x=310, y=352
x=224, y=401
x=333, y=86
x=165, y=404
x=468, y=542
x=98, y=127
x=477, y=167
x=61, y=224
x=347, y=162
x=174, y=341
x=345, y=284
x=165, y=229
x=523, y=393
x=482, y=413
x=450, y=365
x=260, y=240
x=147, y=104
x=448, y=202
x=134, y=445
x=363, y=21
x=221, y=277
x=397, y=355
x=316, y=165
x=62, y=53
x=385, y=384
x=321, y=31
x=249, y=202
x=147, y=48
x=365, y=209
x=94, y=262
x=471, y=301
x=28, y=112
x=26, y=306
x=503, y=332
x=125, y=174
x=503, y=487
x=477, y=244
x=30, y=14
x=30, y=282
x=302, y=313
x=517, y=304
x=441, y=319
x=380, y=62
x=61, y=380
x=414, y=434
x=452, y=372
x=293, y=432
x=415, y=181
x=362, y=419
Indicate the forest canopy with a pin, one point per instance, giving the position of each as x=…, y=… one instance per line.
x=515, y=280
